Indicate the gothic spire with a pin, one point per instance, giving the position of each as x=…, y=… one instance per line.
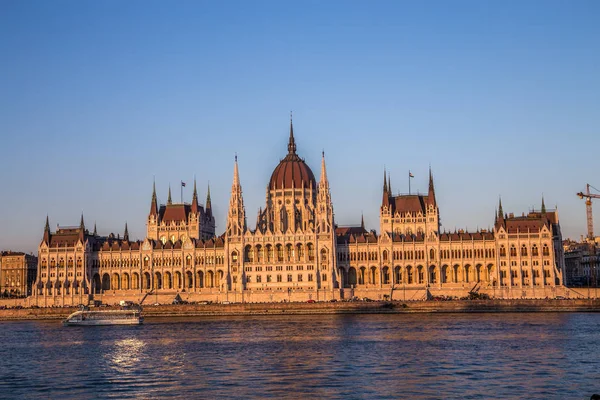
x=500, y=211
x=81, y=229
x=47, y=231
x=95, y=231
x=431, y=193
x=154, y=203
x=362, y=221
x=236, y=174
x=169, y=201
x=236, y=217
x=390, y=183
x=385, y=188
x=126, y=233
x=323, y=180
x=195, y=198
x=292, y=142
x=543, y=206
x=385, y=200
x=208, y=202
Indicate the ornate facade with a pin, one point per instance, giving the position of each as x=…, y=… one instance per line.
x=296, y=252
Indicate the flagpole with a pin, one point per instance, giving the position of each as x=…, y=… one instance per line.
x=181, y=186
x=409, y=181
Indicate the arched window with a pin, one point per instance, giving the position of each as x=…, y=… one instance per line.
x=545, y=250
x=523, y=251
x=431, y=254
x=502, y=251
x=534, y=250
x=513, y=251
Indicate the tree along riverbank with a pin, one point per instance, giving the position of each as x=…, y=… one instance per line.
x=358, y=307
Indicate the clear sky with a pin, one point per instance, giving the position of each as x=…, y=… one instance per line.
x=97, y=98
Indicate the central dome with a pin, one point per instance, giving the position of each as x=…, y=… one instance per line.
x=292, y=171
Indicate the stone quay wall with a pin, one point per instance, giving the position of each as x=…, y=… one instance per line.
x=355, y=307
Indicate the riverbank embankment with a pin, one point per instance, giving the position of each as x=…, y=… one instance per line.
x=376, y=307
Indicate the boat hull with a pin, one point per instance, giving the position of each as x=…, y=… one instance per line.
x=131, y=321
x=109, y=317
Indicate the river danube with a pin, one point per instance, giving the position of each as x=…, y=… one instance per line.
x=434, y=356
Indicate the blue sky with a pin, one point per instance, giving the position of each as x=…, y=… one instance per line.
x=97, y=98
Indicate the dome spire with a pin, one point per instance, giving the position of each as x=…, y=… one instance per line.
x=292, y=142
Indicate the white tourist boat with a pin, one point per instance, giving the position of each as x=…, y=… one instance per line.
x=108, y=317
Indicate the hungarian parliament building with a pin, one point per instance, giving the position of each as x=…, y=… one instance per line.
x=297, y=252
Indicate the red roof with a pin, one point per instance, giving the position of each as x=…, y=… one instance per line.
x=174, y=212
x=292, y=171
x=412, y=203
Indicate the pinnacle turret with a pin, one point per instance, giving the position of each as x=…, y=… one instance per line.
x=195, y=199
x=154, y=203
x=47, y=231
x=169, y=201
x=543, y=206
x=431, y=192
x=126, y=233
x=323, y=181
x=292, y=142
x=208, y=202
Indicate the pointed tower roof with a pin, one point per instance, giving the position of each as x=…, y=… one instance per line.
x=500, y=211
x=431, y=193
x=292, y=142
x=126, y=233
x=362, y=221
x=154, y=203
x=543, y=206
x=47, y=231
x=208, y=202
x=385, y=201
x=323, y=180
x=390, y=184
x=81, y=229
x=385, y=187
x=292, y=171
x=236, y=173
x=95, y=231
x=195, y=198
x=169, y=201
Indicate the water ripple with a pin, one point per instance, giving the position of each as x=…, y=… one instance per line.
x=466, y=356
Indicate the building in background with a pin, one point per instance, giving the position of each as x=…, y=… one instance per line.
x=18, y=272
x=296, y=251
x=582, y=263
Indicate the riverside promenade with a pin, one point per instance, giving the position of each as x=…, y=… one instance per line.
x=355, y=307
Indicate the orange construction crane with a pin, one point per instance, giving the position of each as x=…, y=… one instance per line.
x=588, y=208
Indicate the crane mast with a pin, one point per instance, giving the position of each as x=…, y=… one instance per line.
x=588, y=209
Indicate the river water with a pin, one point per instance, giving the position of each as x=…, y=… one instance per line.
x=431, y=356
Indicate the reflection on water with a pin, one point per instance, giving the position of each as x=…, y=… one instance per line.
x=125, y=354
x=539, y=356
